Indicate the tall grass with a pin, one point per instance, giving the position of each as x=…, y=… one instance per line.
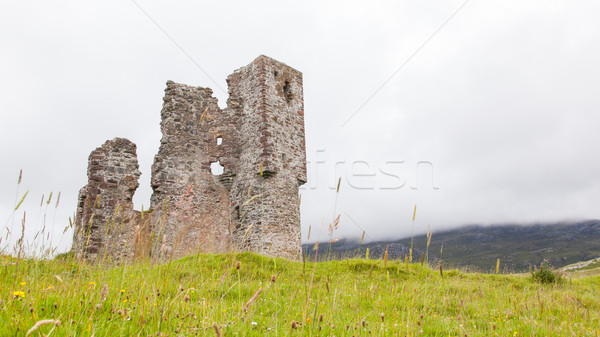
x=412, y=235
x=245, y=294
x=271, y=296
x=335, y=223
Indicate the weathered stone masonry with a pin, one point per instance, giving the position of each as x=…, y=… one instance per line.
x=253, y=205
x=105, y=223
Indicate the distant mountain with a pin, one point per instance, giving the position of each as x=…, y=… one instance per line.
x=478, y=247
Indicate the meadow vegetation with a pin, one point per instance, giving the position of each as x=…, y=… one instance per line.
x=251, y=295
x=245, y=294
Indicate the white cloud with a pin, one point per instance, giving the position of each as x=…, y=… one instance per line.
x=502, y=101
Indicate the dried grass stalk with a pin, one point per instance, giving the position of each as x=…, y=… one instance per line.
x=252, y=299
x=38, y=324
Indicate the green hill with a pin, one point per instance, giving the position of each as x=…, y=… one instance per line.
x=251, y=295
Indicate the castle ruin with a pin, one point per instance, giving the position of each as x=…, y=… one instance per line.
x=252, y=203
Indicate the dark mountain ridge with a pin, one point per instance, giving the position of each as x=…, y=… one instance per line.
x=475, y=247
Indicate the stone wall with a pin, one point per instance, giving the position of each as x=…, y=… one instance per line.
x=272, y=138
x=191, y=205
x=252, y=205
x=105, y=222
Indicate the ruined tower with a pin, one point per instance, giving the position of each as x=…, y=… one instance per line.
x=105, y=222
x=268, y=98
x=258, y=143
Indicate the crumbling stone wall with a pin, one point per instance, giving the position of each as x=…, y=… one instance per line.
x=191, y=205
x=105, y=222
x=252, y=205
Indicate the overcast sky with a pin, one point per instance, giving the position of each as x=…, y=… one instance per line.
x=479, y=112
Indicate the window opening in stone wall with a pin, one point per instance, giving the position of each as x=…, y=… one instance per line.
x=287, y=91
x=236, y=214
x=216, y=168
x=219, y=140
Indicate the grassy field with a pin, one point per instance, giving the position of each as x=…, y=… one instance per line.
x=251, y=295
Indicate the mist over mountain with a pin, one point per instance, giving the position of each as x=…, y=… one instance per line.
x=475, y=247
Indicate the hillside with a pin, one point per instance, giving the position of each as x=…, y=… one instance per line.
x=478, y=247
x=250, y=295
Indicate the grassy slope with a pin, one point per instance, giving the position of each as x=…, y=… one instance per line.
x=187, y=296
x=587, y=268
